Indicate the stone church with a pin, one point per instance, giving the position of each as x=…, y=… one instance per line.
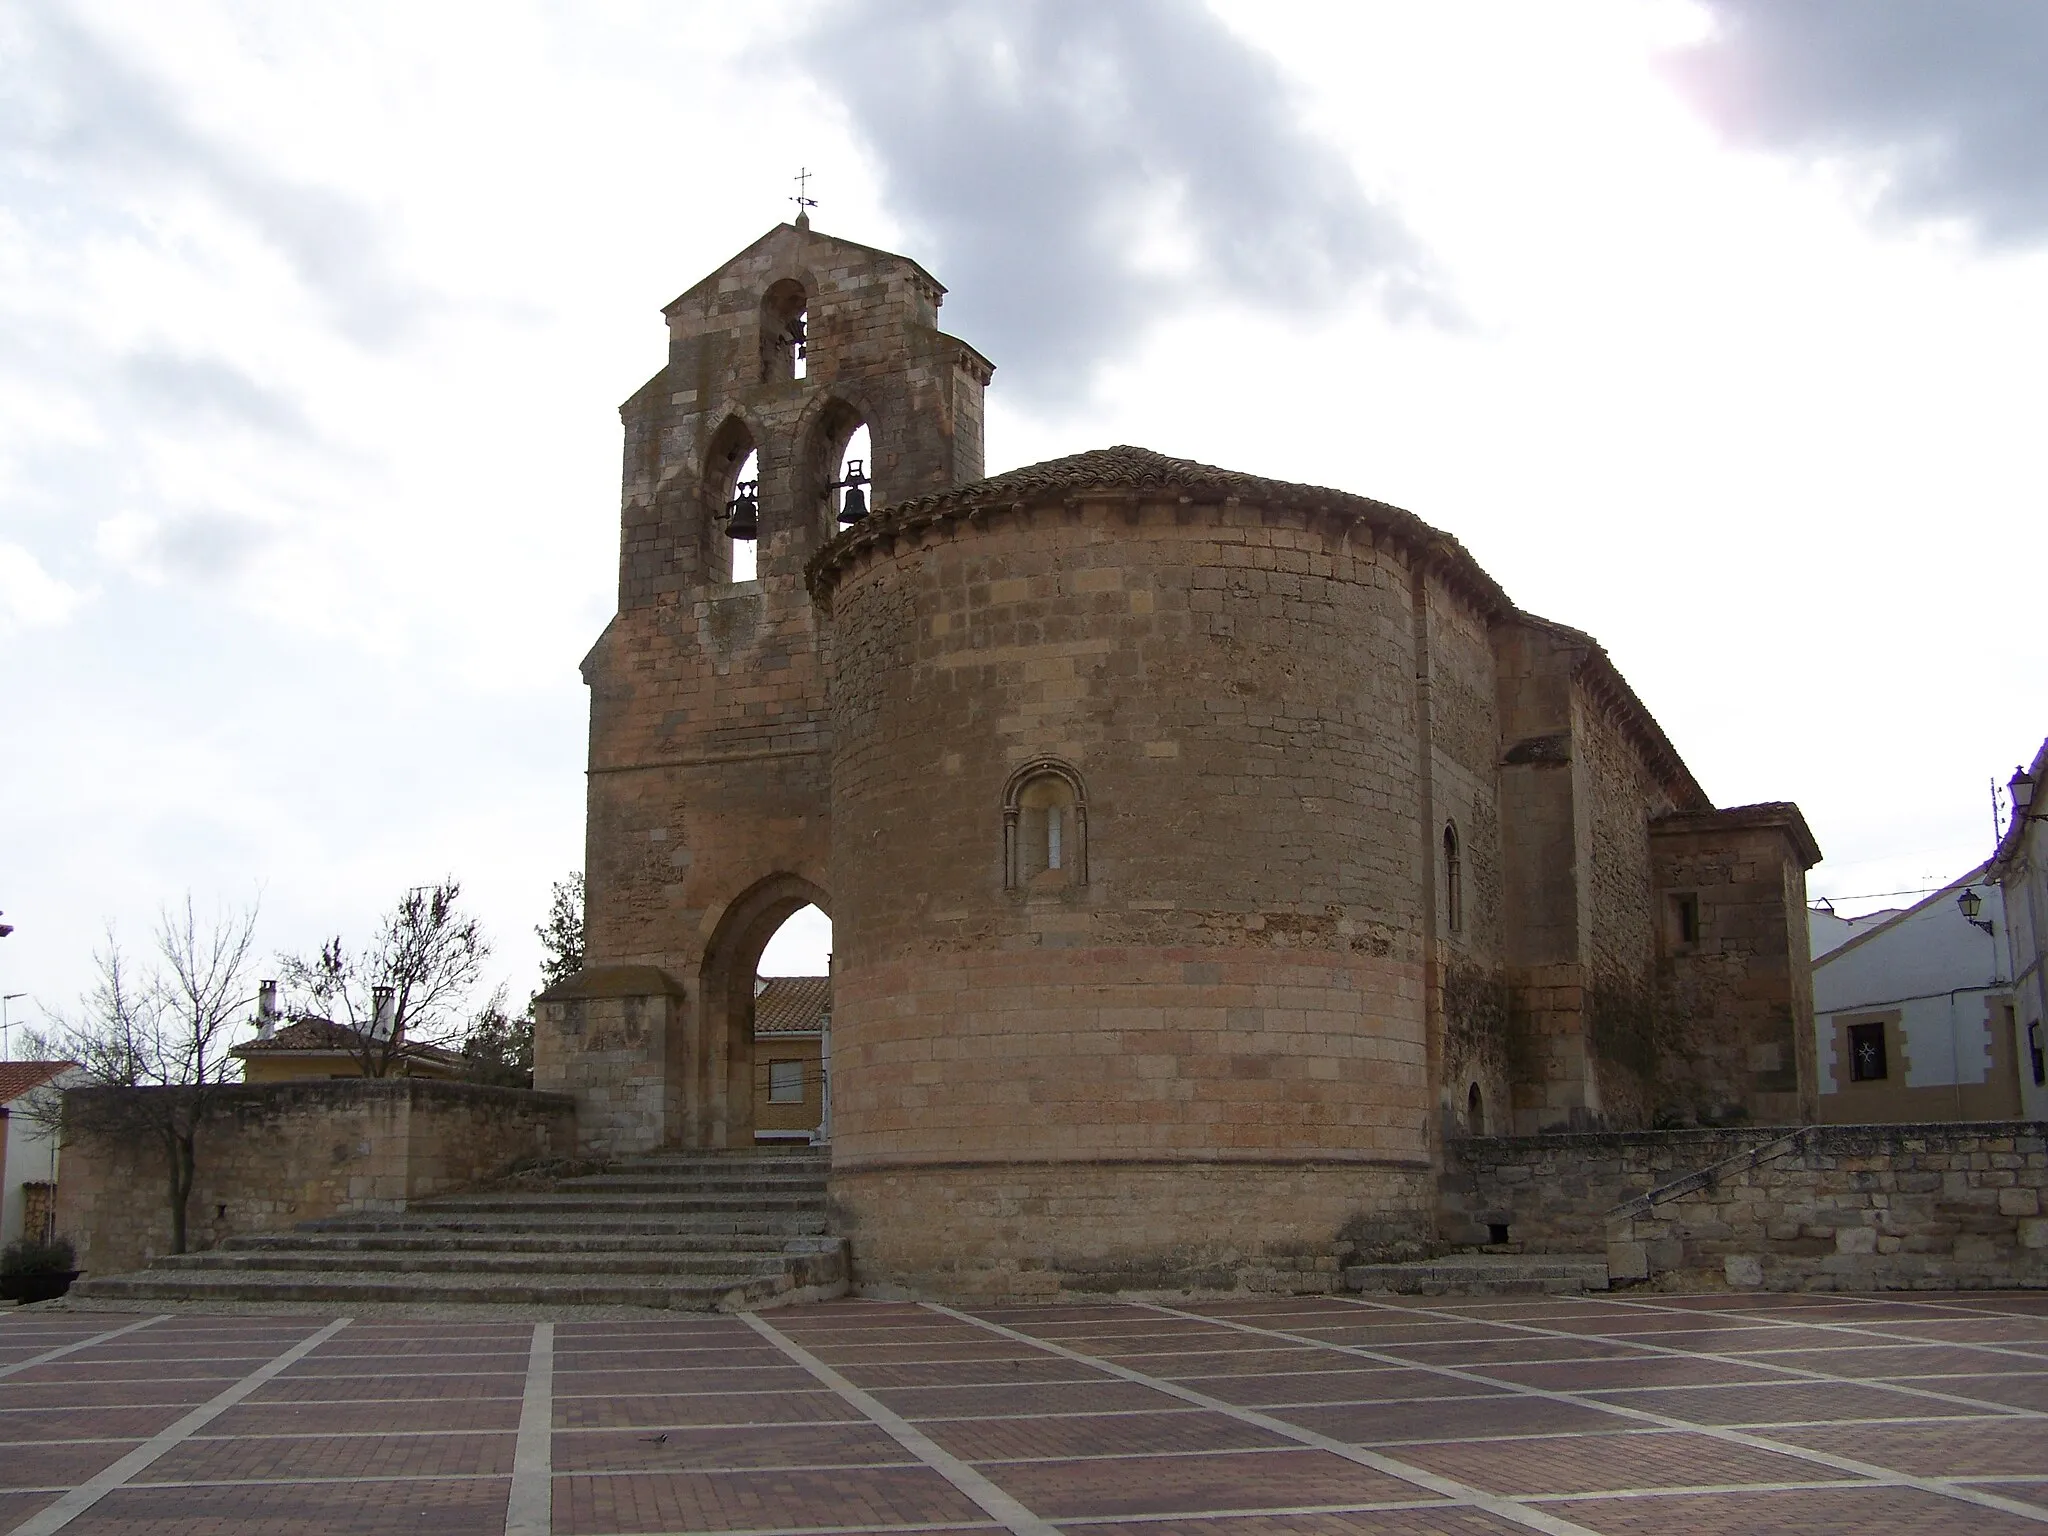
x=1203, y=852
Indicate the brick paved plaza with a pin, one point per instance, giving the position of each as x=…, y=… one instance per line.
x=1606, y=1414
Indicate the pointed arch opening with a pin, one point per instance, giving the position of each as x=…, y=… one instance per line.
x=838, y=465
x=731, y=470
x=785, y=332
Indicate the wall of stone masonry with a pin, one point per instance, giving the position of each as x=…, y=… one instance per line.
x=1554, y=1192
x=1735, y=1005
x=281, y=1153
x=1240, y=974
x=709, y=743
x=1040, y=1232
x=1857, y=1208
x=1468, y=981
x=1620, y=796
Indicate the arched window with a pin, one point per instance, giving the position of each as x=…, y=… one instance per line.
x=1454, y=883
x=1475, y=1112
x=785, y=332
x=1045, y=827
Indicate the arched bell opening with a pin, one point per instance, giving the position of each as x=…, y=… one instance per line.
x=732, y=504
x=721, y=1070
x=785, y=332
x=837, y=467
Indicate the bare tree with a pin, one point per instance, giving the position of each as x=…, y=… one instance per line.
x=405, y=993
x=151, y=1046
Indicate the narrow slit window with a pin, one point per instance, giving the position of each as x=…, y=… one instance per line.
x=1052, y=837
x=1454, y=882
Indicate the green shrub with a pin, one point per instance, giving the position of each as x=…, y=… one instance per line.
x=31, y=1256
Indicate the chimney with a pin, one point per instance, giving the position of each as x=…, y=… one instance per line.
x=266, y=1009
x=2022, y=788
x=384, y=1015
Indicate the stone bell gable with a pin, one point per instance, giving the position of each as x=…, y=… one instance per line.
x=708, y=788
x=872, y=354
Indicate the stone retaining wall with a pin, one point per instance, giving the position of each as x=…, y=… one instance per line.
x=1553, y=1193
x=1852, y=1208
x=281, y=1153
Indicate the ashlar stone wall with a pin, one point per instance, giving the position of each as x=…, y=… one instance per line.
x=1852, y=1208
x=281, y=1153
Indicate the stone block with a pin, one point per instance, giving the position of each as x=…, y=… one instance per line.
x=1743, y=1271
x=1856, y=1240
x=2019, y=1202
x=2034, y=1233
x=1628, y=1261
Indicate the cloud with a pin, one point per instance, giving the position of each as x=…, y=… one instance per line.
x=201, y=545
x=1075, y=168
x=1947, y=99
x=72, y=109
x=177, y=384
x=30, y=597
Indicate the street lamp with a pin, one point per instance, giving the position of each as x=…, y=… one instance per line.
x=1970, y=904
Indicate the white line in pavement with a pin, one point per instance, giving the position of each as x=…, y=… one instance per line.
x=530, y=1511
x=1444, y=1487
x=64, y=1349
x=1860, y=1469
x=998, y=1504
x=75, y=1503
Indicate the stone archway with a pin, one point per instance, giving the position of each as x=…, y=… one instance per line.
x=724, y=1062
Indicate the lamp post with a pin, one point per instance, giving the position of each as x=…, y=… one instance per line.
x=5, y=1053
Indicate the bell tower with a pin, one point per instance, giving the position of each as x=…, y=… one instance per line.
x=710, y=748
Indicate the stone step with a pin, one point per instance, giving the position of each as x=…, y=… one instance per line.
x=718, y=1165
x=787, y=1224
x=1484, y=1274
x=691, y=1230
x=689, y=1203
x=700, y=1294
x=429, y=1240
x=655, y=1184
x=430, y=1261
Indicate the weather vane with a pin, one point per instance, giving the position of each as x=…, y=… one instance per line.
x=804, y=203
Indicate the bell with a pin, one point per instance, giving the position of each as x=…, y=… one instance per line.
x=855, y=505
x=743, y=515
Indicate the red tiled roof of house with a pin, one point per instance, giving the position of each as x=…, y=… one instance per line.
x=17, y=1077
x=788, y=1005
x=327, y=1035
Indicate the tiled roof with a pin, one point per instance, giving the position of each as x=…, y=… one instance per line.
x=327, y=1035
x=17, y=1077
x=790, y=1004
x=1125, y=468
x=1129, y=471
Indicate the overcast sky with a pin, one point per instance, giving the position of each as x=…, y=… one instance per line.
x=1712, y=328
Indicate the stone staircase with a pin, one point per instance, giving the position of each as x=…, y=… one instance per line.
x=694, y=1231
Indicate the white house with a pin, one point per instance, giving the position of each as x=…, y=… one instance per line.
x=1913, y=1016
x=28, y=1153
x=2021, y=868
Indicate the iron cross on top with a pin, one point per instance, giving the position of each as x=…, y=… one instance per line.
x=803, y=186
